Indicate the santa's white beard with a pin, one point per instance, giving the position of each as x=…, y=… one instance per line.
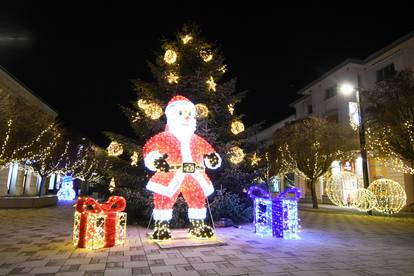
x=181, y=132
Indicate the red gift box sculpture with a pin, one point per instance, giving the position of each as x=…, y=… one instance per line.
x=99, y=225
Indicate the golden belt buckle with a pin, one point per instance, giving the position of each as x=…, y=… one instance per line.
x=189, y=167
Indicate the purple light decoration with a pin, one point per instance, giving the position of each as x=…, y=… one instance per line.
x=277, y=217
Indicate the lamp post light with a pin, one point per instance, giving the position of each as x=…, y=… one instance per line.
x=347, y=89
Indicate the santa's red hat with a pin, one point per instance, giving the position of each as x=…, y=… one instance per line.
x=178, y=101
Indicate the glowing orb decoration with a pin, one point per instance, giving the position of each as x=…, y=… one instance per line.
x=179, y=158
x=222, y=69
x=211, y=84
x=342, y=188
x=172, y=78
x=364, y=200
x=151, y=110
x=170, y=56
x=230, y=108
x=187, y=38
x=236, y=155
x=206, y=56
x=115, y=149
x=202, y=110
x=255, y=159
x=66, y=191
x=134, y=159
x=390, y=195
x=237, y=127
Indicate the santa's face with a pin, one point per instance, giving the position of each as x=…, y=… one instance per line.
x=181, y=119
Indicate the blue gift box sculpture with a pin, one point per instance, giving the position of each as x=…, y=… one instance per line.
x=278, y=216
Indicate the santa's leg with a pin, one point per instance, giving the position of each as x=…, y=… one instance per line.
x=162, y=214
x=196, y=200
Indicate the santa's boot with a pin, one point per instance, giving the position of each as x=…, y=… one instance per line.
x=161, y=231
x=200, y=230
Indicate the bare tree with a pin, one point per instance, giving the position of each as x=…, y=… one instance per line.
x=390, y=121
x=309, y=146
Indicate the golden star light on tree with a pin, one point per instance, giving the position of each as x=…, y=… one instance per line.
x=170, y=56
x=134, y=159
x=236, y=155
x=151, y=110
x=211, y=84
x=115, y=149
x=237, y=127
x=230, y=107
x=255, y=159
x=172, y=78
x=202, y=110
x=187, y=38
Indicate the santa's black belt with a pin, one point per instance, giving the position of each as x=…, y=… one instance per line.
x=187, y=167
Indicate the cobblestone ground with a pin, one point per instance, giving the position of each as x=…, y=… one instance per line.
x=38, y=242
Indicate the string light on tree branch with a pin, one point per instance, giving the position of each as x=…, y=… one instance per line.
x=172, y=78
x=170, y=56
x=187, y=38
x=237, y=127
x=134, y=159
x=112, y=185
x=236, y=155
x=211, y=84
x=115, y=149
x=206, y=56
x=202, y=110
x=151, y=110
x=222, y=69
x=230, y=107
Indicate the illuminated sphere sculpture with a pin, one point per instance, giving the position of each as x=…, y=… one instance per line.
x=364, y=200
x=342, y=188
x=202, y=110
x=115, y=149
x=170, y=56
x=151, y=110
x=390, y=195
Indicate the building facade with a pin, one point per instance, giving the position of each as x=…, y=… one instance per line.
x=321, y=98
x=14, y=179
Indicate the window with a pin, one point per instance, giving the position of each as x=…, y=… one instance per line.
x=385, y=72
x=310, y=109
x=330, y=92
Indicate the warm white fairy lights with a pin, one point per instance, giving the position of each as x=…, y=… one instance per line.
x=115, y=149
x=237, y=127
x=342, y=188
x=236, y=155
x=151, y=109
x=255, y=159
x=134, y=159
x=170, y=56
x=186, y=39
x=206, y=56
x=202, y=110
x=112, y=185
x=211, y=84
x=172, y=78
x=230, y=108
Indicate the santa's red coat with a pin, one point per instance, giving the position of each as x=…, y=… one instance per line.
x=168, y=183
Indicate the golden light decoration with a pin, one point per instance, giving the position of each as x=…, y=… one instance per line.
x=202, y=110
x=187, y=38
x=134, y=159
x=151, y=110
x=342, y=188
x=237, y=127
x=172, y=78
x=206, y=56
x=390, y=196
x=236, y=155
x=230, y=107
x=211, y=84
x=255, y=159
x=170, y=56
x=364, y=200
x=115, y=149
x=112, y=185
x=222, y=69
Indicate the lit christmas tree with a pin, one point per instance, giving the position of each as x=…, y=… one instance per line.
x=191, y=67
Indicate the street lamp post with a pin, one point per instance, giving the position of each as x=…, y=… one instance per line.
x=347, y=89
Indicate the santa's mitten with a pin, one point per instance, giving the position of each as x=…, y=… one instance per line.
x=161, y=163
x=212, y=160
x=200, y=230
x=161, y=231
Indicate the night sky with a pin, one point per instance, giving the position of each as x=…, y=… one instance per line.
x=80, y=59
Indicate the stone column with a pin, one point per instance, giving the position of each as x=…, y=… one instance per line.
x=4, y=176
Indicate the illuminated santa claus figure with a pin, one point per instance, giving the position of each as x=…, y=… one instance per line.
x=180, y=158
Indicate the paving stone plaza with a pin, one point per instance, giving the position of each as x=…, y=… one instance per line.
x=39, y=242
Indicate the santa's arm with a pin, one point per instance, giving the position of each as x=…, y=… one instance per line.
x=212, y=159
x=153, y=158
